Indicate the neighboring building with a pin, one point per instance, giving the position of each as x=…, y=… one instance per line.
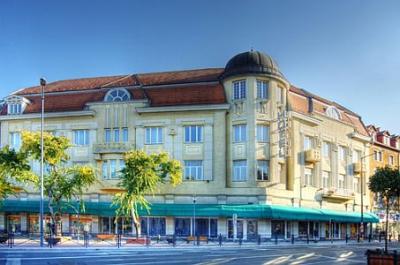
x=385, y=151
x=261, y=156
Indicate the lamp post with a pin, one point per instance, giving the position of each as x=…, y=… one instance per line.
x=194, y=219
x=42, y=84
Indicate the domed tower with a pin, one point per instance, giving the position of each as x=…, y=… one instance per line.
x=257, y=91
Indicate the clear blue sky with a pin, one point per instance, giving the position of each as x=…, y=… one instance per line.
x=346, y=51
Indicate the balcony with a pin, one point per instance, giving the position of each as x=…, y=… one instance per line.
x=102, y=148
x=312, y=156
x=338, y=194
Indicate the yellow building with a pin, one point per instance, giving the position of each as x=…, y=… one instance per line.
x=385, y=151
x=260, y=156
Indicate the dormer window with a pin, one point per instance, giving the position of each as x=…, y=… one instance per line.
x=333, y=113
x=117, y=95
x=15, y=104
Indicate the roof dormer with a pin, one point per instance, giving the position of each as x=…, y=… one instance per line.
x=16, y=104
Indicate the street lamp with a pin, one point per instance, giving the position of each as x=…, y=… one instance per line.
x=194, y=219
x=42, y=84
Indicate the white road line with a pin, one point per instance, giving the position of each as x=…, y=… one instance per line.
x=13, y=261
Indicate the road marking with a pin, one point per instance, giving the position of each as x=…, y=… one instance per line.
x=13, y=261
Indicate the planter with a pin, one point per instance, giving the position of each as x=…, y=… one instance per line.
x=140, y=241
x=379, y=257
x=53, y=241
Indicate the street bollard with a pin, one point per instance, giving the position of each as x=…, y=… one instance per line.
x=276, y=239
x=158, y=239
x=292, y=239
x=174, y=240
x=358, y=237
x=308, y=239
x=220, y=240
x=347, y=238
x=380, y=237
x=369, y=238
x=198, y=240
x=240, y=241
x=258, y=240
x=148, y=241
x=10, y=240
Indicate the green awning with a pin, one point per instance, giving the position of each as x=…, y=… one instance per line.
x=208, y=210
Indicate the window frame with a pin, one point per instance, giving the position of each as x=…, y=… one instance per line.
x=159, y=135
x=262, y=91
x=193, y=136
x=239, y=92
x=117, y=98
x=239, y=166
x=81, y=137
x=263, y=170
x=190, y=166
x=241, y=137
x=263, y=133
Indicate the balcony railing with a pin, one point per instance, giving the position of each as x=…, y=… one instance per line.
x=338, y=193
x=101, y=148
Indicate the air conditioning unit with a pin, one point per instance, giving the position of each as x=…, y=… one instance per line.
x=313, y=155
x=357, y=168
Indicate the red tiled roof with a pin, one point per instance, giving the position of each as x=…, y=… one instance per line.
x=298, y=100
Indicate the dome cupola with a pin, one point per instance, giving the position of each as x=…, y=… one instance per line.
x=251, y=62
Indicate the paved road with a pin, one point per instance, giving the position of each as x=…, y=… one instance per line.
x=284, y=254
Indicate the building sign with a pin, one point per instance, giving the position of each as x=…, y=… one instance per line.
x=283, y=145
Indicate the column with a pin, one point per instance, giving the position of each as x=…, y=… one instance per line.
x=268, y=229
x=295, y=229
x=222, y=227
x=245, y=229
x=322, y=229
x=65, y=223
x=139, y=137
x=169, y=226
x=208, y=152
x=24, y=223
x=2, y=222
x=262, y=228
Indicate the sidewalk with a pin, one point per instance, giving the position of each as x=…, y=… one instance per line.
x=21, y=244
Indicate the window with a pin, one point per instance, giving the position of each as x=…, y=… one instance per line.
x=239, y=133
x=262, y=169
x=356, y=156
x=81, y=137
x=116, y=135
x=378, y=155
x=262, y=133
x=14, y=108
x=308, y=177
x=262, y=89
x=325, y=179
x=107, y=135
x=356, y=185
x=193, y=134
x=386, y=140
x=111, y=168
x=125, y=135
x=15, y=140
x=154, y=135
x=326, y=150
x=391, y=160
x=308, y=143
x=280, y=95
x=116, y=95
x=239, y=170
x=333, y=113
x=239, y=89
x=341, y=181
x=342, y=153
x=193, y=170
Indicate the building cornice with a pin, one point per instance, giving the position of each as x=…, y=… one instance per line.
x=310, y=119
x=360, y=137
x=183, y=108
x=48, y=115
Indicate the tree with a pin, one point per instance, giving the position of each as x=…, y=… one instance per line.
x=14, y=171
x=62, y=184
x=141, y=176
x=386, y=183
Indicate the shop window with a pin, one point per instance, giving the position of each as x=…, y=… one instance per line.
x=182, y=226
x=278, y=228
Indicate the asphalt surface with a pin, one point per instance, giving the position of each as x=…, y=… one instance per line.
x=268, y=255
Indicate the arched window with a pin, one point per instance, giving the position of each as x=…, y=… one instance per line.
x=118, y=94
x=333, y=113
x=16, y=104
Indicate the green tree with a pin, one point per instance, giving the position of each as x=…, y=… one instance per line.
x=63, y=185
x=141, y=176
x=14, y=172
x=386, y=183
